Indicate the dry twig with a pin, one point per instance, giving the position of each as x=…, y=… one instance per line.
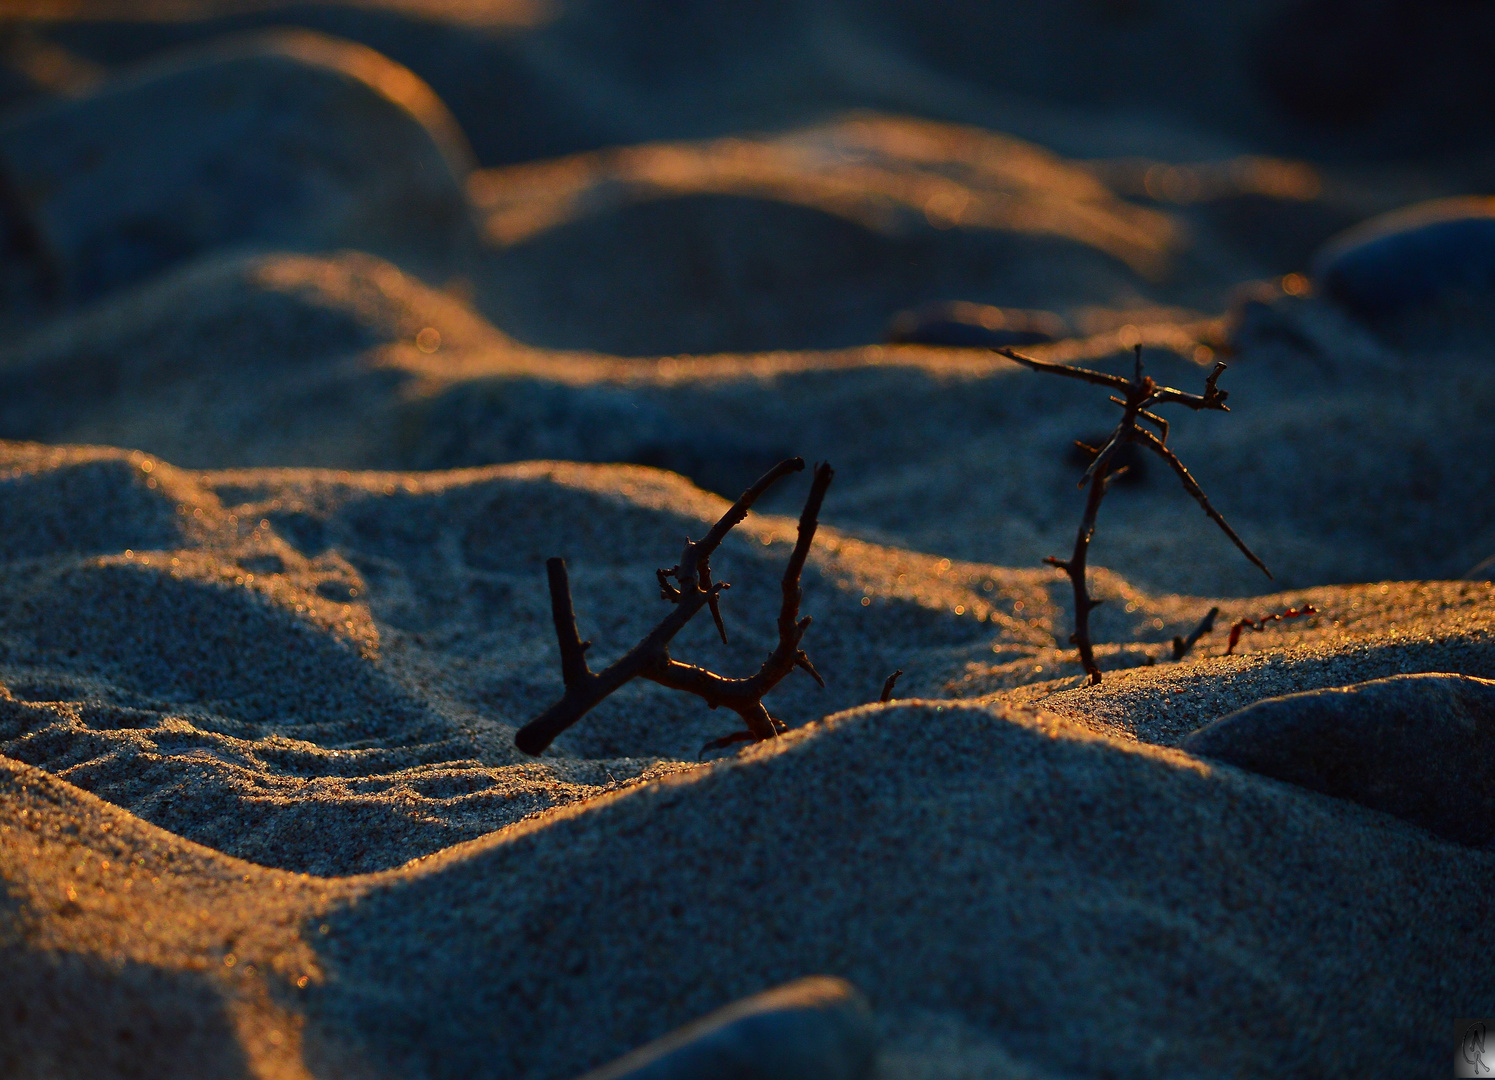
x=887, y=686
x=691, y=590
x=1138, y=395
x=1182, y=645
x=1260, y=623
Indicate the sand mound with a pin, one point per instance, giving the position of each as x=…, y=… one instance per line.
x=242, y=359
x=725, y=228
x=928, y=852
x=273, y=662
x=215, y=679
x=931, y=855
x=286, y=137
x=259, y=647
x=972, y=458
x=59, y=501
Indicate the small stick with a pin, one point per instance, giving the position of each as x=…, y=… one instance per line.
x=1181, y=646
x=694, y=589
x=1260, y=624
x=887, y=686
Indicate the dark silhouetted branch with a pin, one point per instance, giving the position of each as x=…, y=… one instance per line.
x=1138, y=395
x=887, y=686
x=691, y=590
x=1075, y=566
x=574, y=671
x=1182, y=645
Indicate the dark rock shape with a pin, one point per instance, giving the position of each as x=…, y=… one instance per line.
x=815, y=1028
x=1411, y=257
x=974, y=326
x=1419, y=747
x=287, y=138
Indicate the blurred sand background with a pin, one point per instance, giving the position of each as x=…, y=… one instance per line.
x=326, y=324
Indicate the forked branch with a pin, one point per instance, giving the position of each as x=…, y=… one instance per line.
x=689, y=587
x=1137, y=397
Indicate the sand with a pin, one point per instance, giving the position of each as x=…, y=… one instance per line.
x=319, y=673
x=273, y=531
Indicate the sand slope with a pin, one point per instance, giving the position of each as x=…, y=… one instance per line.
x=320, y=672
x=1343, y=459
x=930, y=852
